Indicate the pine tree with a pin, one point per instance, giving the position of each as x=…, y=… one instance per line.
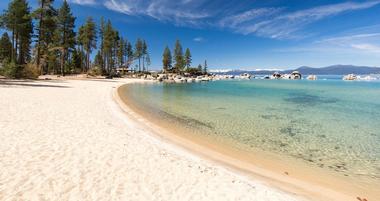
x=166, y=60
x=101, y=35
x=65, y=33
x=45, y=16
x=25, y=29
x=76, y=60
x=98, y=61
x=5, y=48
x=87, y=37
x=188, y=58
x=178, y=57
x=80, y=43
x=9, y=21
x=148, y=62
x=205, y=67
x=121, y=51
x=18, y=21
x=139, y=51
x=129, y=52
x=200, y=68
x=144, y=53
x=109, y=38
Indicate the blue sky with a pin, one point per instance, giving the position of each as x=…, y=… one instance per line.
x=247, y=34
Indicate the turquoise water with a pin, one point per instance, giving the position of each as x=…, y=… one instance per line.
x=330, y=124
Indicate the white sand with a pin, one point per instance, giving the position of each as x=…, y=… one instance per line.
x=69, y=140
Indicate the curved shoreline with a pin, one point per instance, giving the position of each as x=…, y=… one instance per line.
x=242, y=166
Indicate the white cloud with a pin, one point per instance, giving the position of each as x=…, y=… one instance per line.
x=367, y=47
x=83, y=2
x=253, y=14
x=199, y=39
x=270, y=22
x=118, y=6
x=179, y=13
x=285, y=25
x=353, y=42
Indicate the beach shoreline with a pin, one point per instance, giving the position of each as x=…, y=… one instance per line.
x=311, y=183
x=66, y=139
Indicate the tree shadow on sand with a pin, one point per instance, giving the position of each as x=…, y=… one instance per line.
x=29, y=83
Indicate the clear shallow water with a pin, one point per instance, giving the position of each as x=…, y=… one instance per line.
x=330, y=124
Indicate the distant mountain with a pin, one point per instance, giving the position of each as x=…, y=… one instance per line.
x=339, y=70
x=329, y=70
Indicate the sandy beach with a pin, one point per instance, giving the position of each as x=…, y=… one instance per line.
x=70, y=140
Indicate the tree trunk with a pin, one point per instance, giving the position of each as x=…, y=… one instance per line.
x=17, y=58
x=88, y=60
x=39, y=36
x=63, y=62
x=139, y=65
x=143, y=61
x=13, y=45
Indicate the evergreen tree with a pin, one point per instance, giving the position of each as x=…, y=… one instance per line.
x=65, y=34
x=167, y=60
x=101, y=35
x=25, y=34
x=139, y=51
x=129, y=52
x=205, y=67
x=9, y=21
x=87, y=37
x=188, y=58
x=200, y=68
x=148, y=62
x=80, y=43
x=5, y=48
x=45, y=16
x=121, y=51
x=18, y=21
x=76, y=60
x=98, y=59
x=178, y=57
x=144, y=53
x=109, y=40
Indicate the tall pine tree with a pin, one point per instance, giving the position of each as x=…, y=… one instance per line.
x=178, y=57
x=188, y=58
x=166, y=60
x=5, y=48
x=65, y=34
x=87, y=37
x=17, y=19
x=45, y=16
x=139, y=51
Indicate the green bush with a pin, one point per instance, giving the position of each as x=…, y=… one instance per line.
x=11, y=70
x=95, y=71
x=30, y=71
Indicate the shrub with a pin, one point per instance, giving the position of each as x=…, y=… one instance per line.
x=30, y=71
x=95, y=71
x=11, y=70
